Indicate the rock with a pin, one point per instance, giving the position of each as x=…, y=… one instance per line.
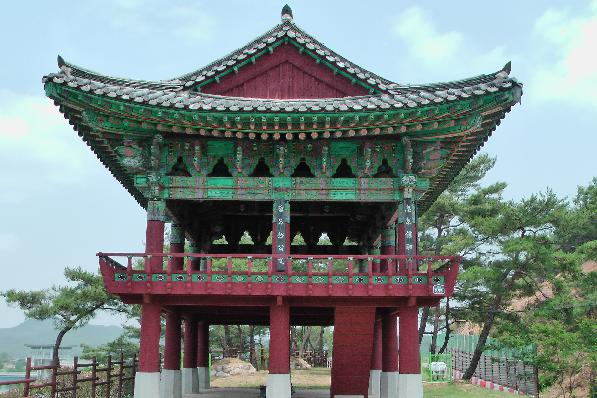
x=232, y=367
x=298, y=363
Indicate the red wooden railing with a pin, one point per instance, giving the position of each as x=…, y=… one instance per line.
x=305, y=275
x=116, y=377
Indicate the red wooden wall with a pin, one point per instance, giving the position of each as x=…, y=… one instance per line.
x=285, y=74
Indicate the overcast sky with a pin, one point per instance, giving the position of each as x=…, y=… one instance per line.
x=59, y=206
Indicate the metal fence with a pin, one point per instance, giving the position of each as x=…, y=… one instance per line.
x=504, y=371
x=112, y=379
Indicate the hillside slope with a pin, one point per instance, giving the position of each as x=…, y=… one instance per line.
x=13, y=340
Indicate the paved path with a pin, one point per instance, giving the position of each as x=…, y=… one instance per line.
x=253, y=393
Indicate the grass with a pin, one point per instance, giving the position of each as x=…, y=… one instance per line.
x=320, y=378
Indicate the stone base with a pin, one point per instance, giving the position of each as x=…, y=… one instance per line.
x=278, y=386
x=147, y=385
x=388, y=385
x=203, y=378
x=374, y=379
x=410, y=386
x=190, y=381
x=171, y=384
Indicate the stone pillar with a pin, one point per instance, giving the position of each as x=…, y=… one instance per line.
x=389, y=359
x=203, y=375
x=190, y=382
x=410, y=382
x=176, y=246
x=376, y=354
x=154, y=235
x=147, y=379
x=388, y=245
x=171, y=382
x=278, y=379
x=281, y=232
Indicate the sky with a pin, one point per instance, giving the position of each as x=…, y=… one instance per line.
x=59, y=206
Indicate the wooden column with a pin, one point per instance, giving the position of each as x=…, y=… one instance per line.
x=154, y=234
x=190, y=342
x=353, y=342
x=281, y=232
x=388, y=245
x=389, y=331
x=410, y=360
x=376, y=263
x=279, y=343
x=202, y=344
x=278, y=379
x=190, y=376
x=172, y=341
x=203, y=376
x=376, y=355
x=407, y=228
x=149, y=344
x=177, y=246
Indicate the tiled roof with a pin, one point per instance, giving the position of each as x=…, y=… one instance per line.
x=171, y=95
x=179, y=92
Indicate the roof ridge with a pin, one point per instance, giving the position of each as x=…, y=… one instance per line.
x=286, y=29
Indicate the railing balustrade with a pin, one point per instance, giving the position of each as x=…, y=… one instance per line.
x=351, y=274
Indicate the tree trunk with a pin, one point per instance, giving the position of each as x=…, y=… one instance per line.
x=226, y=345
x=493, y=309
x=433, y=346
x=305, y=337
x=447, y=337
x=320, y=339
x=292, y=340
x=241, y=343
x=423, y=325
x=252, y=354
x=56, y=348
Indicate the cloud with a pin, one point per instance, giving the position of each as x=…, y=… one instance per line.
x=183, y=20
x=35, y=140
x=415, y=27
x=568, y=44
x=437, y=51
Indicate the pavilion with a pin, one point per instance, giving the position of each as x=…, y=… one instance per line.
x=279, y=138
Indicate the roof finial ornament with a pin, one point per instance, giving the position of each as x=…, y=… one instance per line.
x=505, y=72
x=64, y=66
x=286, y=13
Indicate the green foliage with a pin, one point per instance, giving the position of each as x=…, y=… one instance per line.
x=70, y=306
x=562, y=319
x=123, y=345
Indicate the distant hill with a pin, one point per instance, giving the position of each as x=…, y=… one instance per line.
x=13, y=340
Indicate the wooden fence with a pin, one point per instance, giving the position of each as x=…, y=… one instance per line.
x=508, y=372
x=113, y=379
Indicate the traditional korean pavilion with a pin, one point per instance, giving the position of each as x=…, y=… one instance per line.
x=279, y=138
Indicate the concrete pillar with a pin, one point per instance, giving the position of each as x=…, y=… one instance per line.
x=203, y=376
x=410, y=382
x=389, y=359
x=171, y=381
x=278, y=379
x=376, y=354
x=147, y=379
x=190, y=382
